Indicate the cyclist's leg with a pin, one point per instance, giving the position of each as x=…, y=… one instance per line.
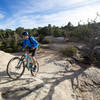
x=31, y=59
x=29, y=54
x=35, y=68
x=33, y=55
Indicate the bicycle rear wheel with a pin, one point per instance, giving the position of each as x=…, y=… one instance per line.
x=34, y=72
x=15, y=68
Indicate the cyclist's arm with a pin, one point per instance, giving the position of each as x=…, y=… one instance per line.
x=24, y=45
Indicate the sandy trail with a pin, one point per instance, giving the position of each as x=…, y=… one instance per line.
x=49, y=84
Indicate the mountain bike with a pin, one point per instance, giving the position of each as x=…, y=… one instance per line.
x=16, y=67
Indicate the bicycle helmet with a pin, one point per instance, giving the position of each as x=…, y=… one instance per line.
x=25, y=33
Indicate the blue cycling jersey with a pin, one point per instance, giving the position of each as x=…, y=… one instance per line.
x=28, y=42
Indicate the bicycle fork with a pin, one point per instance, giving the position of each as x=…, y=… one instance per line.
x=19, y=64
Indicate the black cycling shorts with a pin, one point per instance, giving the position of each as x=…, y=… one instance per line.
x=33, y=51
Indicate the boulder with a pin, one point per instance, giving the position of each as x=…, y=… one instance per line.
x=89, y=84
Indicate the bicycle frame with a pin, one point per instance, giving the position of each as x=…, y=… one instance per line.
x=26, y=57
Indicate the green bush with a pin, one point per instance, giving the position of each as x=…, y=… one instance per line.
x=10, y=46
x=57, y=32
x=0, y=43
x=4, y=43
x=9, y=50
x=13, y=44
x=69, y=51
x=82, y=32
x=41, y=37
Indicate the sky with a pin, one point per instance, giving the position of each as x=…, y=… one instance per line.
x=38, y=13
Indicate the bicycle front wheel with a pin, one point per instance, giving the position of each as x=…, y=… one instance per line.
x=15, y=68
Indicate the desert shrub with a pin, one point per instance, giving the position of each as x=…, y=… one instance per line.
x=13, y=44
x=0, y=43
x=57, y=32
x=4, y=43
x=9, y=50
x=41, y=37
x=82, y=32
x=69, y=51
x=10, y=46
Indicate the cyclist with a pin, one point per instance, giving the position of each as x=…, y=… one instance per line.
x=32, y=47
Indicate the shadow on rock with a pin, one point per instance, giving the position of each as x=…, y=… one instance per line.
x=19, y=93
